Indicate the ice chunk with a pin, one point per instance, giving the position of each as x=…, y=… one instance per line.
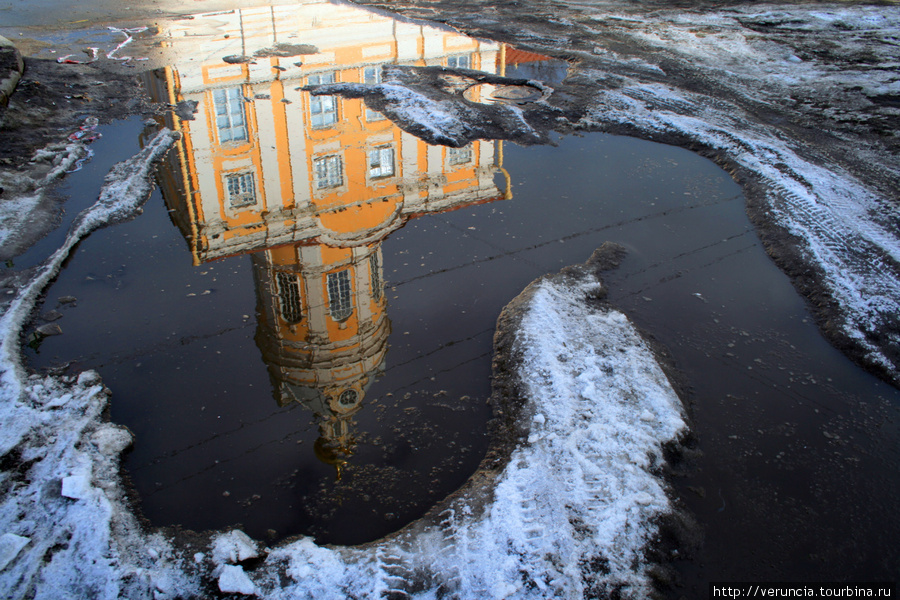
x=88, y=378
x=111, y=440
x=233, y=547
x=76, y=487
x=232, y=579
x=10, y=546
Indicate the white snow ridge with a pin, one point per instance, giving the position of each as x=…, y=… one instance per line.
x=569, y=515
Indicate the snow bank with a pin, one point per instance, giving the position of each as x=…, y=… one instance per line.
x=428, y=102
x=570, y=515
x=65, y=526
x=845, y=227
x=842, y=226
x=23, y=215
x=575, y=507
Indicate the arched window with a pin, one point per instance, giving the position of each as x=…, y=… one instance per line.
x=340, y=300
x=375, y=275
x=289, y=296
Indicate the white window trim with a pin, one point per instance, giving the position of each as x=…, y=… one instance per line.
x=329, y=185
x=231, y=94
x=381, y=153
x=242, y=177
x=321, y=101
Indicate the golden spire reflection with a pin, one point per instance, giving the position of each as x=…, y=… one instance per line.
x=310, y=185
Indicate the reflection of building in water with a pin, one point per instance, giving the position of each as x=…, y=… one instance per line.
x=310, y=185
x=267, y=163
x=322, y=329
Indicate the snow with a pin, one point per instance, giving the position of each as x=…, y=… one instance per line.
x=10, y=546
x=233, y=579
x=65, y=495
x=444, y=121
x=438, y=118
x=441, y=118
x=584, y=490
x=845, y=226
x=829, y=211
x=233, y=547
x=23, y=207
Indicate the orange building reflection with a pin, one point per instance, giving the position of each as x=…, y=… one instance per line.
x=310, y=186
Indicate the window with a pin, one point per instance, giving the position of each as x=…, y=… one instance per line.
x=230, y=121
x=459, y=156
x=241, y=190
x=381, y=161
x=373, y=115
x=375, y=276
x=322, y=109
x=340, y=302
x=348, y=398
x=372, y=76
x=328, y=172
x=289, y=296
x=462, y=61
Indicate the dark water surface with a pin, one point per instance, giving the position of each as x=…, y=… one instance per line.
x=798, y=444
x=192, y=323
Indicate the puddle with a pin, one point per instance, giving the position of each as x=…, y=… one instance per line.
x=298, y=329
x=282, y=362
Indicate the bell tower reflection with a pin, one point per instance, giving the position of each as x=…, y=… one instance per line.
x=322, y=329
x=310, y=186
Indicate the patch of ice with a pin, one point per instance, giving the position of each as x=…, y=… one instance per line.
x=232, y=579
x=10, y=546
x=77, y=487
x=233, y=547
